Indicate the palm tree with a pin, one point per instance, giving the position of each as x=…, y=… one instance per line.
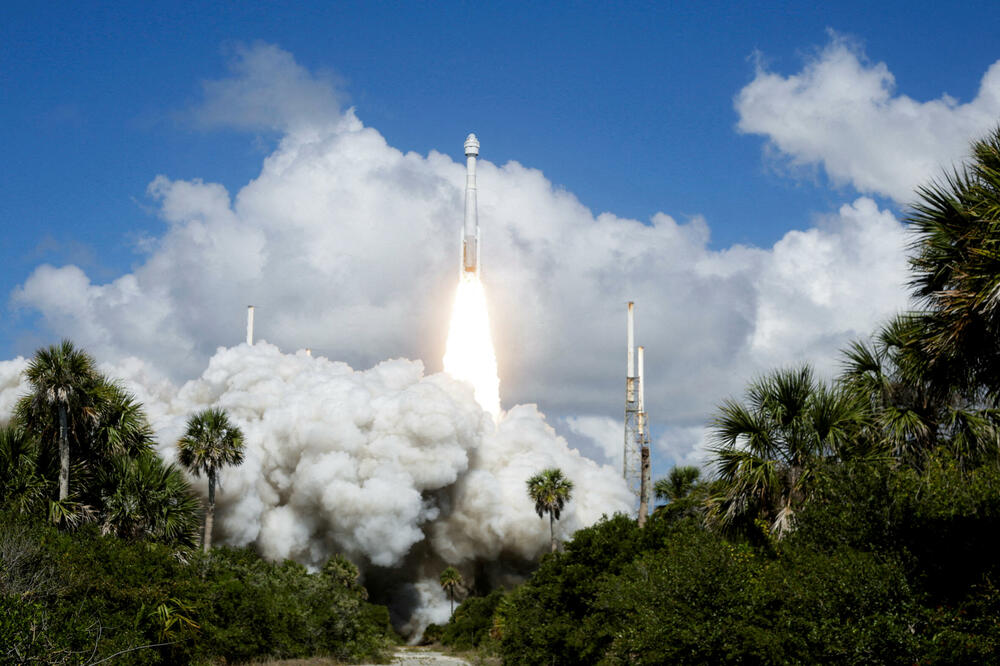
x=62, y=378
x=956, y=270
x=451, y=580
x=21, y=485
x=765, y=451
x=911, y=410
x=146, y=498
x=120, y=426
x=677, y=484
x=211, y=442
x=550, y=491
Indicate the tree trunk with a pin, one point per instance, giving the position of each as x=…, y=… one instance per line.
x=210, y=512
x=552, y=530
x=63, y=454
x=644, y=488
x=451, y=595
x=795, y=494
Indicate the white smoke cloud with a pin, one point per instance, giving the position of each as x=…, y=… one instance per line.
x=355, y=456
x=843, y=112
x=12, y=385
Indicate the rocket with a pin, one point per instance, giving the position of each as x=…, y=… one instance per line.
x=470, y=231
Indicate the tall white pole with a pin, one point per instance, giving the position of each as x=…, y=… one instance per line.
x=250, y=325
x=630, y=343
x=642, y=384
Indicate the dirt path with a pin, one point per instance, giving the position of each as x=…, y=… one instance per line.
x=404, y=656
x=423, y=657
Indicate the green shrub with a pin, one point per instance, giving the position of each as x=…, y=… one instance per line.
x=551, y=615
x=472, y=622
x=432, y=634
x=63, y=595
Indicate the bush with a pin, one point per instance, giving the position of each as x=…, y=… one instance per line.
x=551, y=615
x=472, y=622
x=64, y=595
x=940, y=521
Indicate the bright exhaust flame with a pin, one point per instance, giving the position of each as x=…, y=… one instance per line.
x=469, y=355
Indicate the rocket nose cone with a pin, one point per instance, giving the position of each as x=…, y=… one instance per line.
x=471, y=145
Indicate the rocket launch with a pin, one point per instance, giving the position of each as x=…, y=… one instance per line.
x=470, y=232
x=469, y=355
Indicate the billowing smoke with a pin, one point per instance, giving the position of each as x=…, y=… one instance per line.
x=401, y=471
x=12, y=385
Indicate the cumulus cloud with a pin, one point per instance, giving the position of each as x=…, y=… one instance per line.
x=842, y=112
x=349, y=246
x=605, y=433
x=267, y=90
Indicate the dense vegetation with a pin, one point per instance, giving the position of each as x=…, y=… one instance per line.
x=81, y=597
x=97, y=544
x=849, y=522
x=885, y=566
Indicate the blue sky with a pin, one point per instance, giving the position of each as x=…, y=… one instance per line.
x=630, y=108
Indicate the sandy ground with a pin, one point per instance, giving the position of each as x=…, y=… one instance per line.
x=410, y=656
x=422, y=657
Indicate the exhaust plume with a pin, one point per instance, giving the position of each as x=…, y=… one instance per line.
x=469, y=355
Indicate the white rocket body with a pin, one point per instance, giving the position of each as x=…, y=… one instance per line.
x=470, y=231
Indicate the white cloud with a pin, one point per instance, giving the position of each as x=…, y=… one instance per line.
x=267, y=90
x=350, y=247
x=685, y=445
x=842, y=112
x=606, y=433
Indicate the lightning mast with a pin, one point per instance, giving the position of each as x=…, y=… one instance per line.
x=250, y=325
